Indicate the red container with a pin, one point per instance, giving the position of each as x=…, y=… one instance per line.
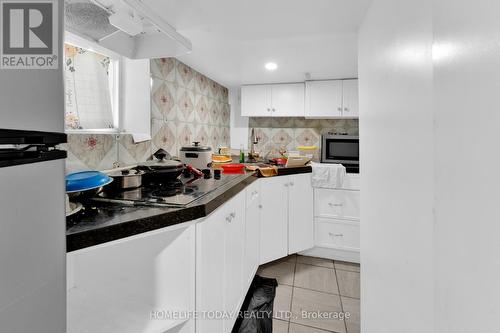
x=232, y=167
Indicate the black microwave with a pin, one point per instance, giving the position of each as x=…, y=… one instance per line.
x=342, y=149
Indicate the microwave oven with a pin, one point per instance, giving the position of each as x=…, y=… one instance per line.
x=342, y=149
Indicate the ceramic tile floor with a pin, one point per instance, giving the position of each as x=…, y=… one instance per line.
x=313, y=285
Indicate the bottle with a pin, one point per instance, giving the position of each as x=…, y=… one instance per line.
x=242, y=154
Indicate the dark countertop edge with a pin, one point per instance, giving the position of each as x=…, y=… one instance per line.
x=293, y=171
x=89, y=238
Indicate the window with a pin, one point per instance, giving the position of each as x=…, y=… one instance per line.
x=91, y=90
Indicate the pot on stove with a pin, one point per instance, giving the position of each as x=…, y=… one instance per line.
x=200, y=157
x=161, y=168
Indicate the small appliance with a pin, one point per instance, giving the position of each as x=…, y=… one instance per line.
x=341, y=148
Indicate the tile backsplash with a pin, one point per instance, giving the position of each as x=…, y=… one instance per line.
x=290, y=132
x=186, y=106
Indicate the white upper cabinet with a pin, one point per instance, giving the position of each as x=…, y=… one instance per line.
x=332, y=99
x=273, y=100
x=350, y=98
x=256, y=101
x=323, y=99
x=288, y=100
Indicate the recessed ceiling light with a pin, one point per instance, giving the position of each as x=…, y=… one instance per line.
x=271, y=66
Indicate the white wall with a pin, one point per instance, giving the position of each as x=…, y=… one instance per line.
x=467, y=233
x=238, y=124
x=396, y=137
x=429, y=99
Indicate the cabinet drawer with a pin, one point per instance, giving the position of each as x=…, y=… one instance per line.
x=336, y=204
x=336, y=234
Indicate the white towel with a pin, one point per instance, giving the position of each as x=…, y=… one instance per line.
x=327, y=175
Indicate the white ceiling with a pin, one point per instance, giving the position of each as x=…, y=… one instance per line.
x=233, y=39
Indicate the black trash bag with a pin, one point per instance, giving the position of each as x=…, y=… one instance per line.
x=256, y=314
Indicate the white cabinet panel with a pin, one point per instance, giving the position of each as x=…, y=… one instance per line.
x=210, y=269
x=274, y=219
x=220, y=261
x=338, y=234
x=117, y=285
x=323, y=99
x=288, y=100
x=234, y=256
x=256, y=101
x=336, y=203
x=252, y=232
x=300, y=213
x=136, y=98
x=350, y=98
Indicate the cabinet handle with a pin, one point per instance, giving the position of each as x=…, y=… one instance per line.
x=233, y=215
x=287, y=184
x=260, y=206
x=291, y=184
x=339, y=109
x=228, y=219
x=268, y=109
x=274, y=109
x=346, y=109
x=335, y=204
x=335, y=235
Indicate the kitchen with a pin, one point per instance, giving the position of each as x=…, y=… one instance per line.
x=188, y=163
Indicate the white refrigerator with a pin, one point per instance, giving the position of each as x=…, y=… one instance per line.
x=32, y=198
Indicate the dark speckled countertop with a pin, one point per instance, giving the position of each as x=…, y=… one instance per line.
x=101, y=223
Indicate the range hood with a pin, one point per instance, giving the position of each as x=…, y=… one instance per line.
x=127, y=27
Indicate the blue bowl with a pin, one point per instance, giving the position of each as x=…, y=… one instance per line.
x=86, y=180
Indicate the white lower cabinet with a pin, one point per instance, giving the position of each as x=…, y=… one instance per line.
x=252, y=232
x=286, y=217
x=274, y=219
x=130, y=284
x=337, y=221
x=207, y=265
x=227, y=259
x=300, y=213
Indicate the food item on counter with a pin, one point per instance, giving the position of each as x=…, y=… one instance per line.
x=219, y=158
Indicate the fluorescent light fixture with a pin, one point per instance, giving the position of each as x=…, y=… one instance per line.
x=271, y=66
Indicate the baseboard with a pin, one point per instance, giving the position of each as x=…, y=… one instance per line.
x=334, y=254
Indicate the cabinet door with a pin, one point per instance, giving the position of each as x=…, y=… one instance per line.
x=351, y=99
x=300, y=214
x=210, y=287
x=233, y=257
x=274, y=219
x=256, y=101
x=252, y=233
x=288, y=100
x=323, y=99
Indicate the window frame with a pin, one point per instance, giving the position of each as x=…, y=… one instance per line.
x=117, y=63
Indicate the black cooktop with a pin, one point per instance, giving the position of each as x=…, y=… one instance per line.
x=178, y=193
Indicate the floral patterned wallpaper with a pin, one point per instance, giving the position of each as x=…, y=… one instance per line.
x=186, y=106
x=290, y=132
